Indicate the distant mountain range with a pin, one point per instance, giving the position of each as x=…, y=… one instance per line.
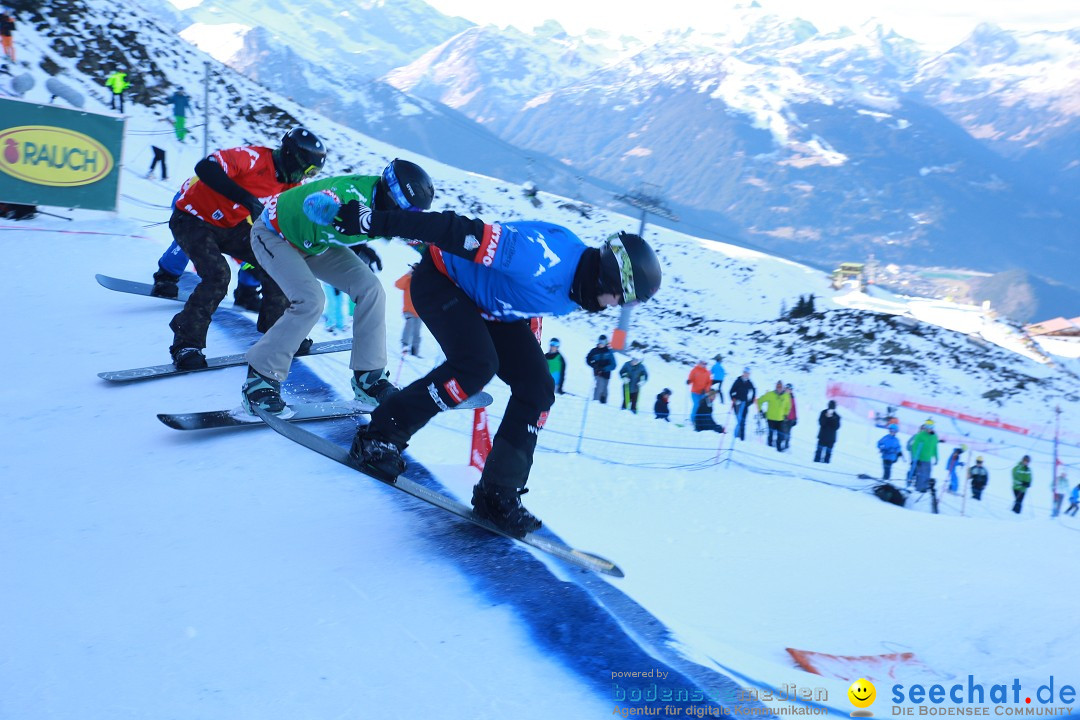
x=822, y=147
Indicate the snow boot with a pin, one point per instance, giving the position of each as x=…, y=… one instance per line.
x=501, y=505
x=247, y=297
x=188, y=358
x=264, y=392
x=372, y=387
x=165, y=285
x=373, y=453
x=305, y=347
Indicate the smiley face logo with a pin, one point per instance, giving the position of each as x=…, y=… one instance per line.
x=862, y=694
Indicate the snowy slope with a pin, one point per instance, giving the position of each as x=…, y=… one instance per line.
x=149, y=573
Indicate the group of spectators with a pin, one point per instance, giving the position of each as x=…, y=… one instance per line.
x=923, y=453
x=706, y=384
x=779, y=411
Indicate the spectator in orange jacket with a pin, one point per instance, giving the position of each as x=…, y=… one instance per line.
x=699, y=380
x=410, y=336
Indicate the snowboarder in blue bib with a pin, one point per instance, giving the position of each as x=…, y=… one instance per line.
x=476, y=288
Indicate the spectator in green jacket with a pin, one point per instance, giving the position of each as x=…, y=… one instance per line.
x=1021, y=481
x=923, y=447
x=778, y=405
x=556, y=364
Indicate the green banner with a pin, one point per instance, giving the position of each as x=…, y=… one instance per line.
x=56, y=156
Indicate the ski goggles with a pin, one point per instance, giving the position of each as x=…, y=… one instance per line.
x=626, y=269
x=396, y=192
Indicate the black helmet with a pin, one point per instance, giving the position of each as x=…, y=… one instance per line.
x=628, y=266
x=302, y=154
x=409, y=186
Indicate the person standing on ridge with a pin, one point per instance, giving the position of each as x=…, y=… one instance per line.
x=602, y=361
x=212, y=216
x=792, y=418
x=777, y=404
x=699, y=381
x=1021, y=476
x=923, y=447
x=1061, y=486
x=828, y=426
x=718, y=374
x=889, y=447
x=118, y=83
x=1074, y=501
x=634, y=375
x=180, y=102
x=476, y=289
x=951, y=465
x=979, y=477
x=298, y=242
x=410, y=333
x=556, y=364
x=7, y=26
x=661, y=408
x=743, y=394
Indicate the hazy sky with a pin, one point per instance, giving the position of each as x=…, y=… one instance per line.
x=938, y=23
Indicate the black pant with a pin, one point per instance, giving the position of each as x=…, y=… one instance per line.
x=476, y=350
x=632, y=395
x=785, y=434
x=776, y=429
x=1019, y=500
x=117, y=97
x=886, y=468
x=823, y=453
x=1073, y=507
x=159, y=157
x=204, y=244
x=977, y=488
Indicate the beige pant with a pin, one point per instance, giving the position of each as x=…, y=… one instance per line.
x=298, y=275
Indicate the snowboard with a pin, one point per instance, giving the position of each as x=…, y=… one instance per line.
x=327, y=448
x=187, y=283
x=238, y=417
x=156, y=371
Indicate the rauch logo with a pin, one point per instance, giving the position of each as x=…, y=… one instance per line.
x=53, y=156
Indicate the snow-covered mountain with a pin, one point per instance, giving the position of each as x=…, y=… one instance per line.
x=487, y=73
x=1016, y=92
x=821, y=146
x=364, y=38
x=148, y=573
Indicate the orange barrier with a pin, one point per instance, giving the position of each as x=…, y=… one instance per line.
x=875, y=668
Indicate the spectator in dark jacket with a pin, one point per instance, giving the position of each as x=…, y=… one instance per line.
x=742, y=393
x=828, y=424
x=661, y=407
x=703, y=418
x=602, y=361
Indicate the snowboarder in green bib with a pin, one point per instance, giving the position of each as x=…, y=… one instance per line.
x=298, y=242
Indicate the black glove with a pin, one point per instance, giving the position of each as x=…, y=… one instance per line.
x=367, y=253
x=353, y=219
x=254, y=207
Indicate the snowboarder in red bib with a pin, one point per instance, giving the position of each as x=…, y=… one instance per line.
x=213, y=216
